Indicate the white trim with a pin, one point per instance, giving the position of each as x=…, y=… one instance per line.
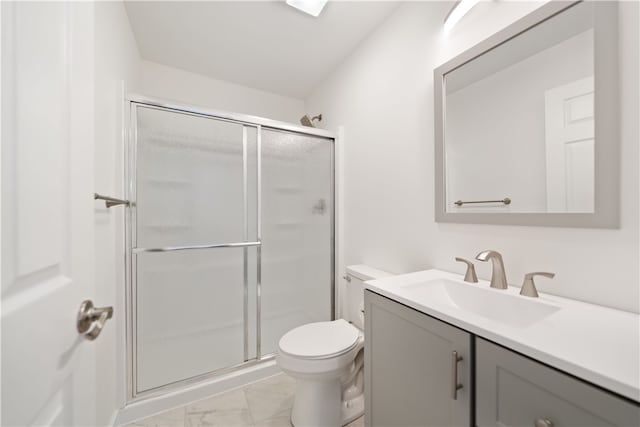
x=339, y=212
x=121, y=255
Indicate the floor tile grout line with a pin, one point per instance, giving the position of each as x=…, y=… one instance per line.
x=246, y=399
x=244, y=389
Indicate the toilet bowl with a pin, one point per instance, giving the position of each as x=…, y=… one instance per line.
x=327, y=359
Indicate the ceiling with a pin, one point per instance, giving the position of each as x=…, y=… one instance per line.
x=265, y=45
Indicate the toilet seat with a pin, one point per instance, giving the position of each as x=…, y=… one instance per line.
x=320, y=340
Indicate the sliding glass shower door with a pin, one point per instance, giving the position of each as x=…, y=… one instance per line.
x=230, y=242
x=297, y=250
x=193, y=186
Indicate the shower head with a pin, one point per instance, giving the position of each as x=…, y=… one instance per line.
x=306, y=121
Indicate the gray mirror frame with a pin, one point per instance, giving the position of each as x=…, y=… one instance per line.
x=607, y=147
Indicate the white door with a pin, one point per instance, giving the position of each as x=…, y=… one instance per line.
x=570, y=147
x=48, y=369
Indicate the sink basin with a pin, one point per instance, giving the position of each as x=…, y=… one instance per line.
x=493, y=304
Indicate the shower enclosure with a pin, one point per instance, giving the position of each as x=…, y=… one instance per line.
x=230, y=240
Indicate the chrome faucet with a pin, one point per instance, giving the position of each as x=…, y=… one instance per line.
x=528, y=287
x=470, y=276
x=498, y=276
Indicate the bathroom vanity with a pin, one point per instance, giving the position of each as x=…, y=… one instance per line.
x=448, y=353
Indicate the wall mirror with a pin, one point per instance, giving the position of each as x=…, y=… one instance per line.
x=526, y=122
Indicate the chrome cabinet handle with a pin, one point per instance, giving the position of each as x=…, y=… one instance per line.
x=455, y=386
x=542, y=422
x=89, y=315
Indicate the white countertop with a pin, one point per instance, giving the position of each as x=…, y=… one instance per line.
x=598, y=344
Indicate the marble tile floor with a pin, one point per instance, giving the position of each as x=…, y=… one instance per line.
x=266, y=403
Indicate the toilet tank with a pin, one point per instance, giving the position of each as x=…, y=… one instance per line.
x=354, y=304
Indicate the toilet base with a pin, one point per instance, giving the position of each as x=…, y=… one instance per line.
x=317, y=403
x=352, y=409
x=353, y=392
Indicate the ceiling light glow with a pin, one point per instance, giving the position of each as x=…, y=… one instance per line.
x=459, y=10
x=312, y=7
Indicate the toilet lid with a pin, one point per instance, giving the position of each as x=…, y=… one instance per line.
x=320, y=339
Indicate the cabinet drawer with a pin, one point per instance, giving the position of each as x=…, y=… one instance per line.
x=512, y=390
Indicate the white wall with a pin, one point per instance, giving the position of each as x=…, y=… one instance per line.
x=116, y=64
x=383, y=95
x=195, y=89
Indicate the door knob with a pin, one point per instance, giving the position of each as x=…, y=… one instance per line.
x=89, y=315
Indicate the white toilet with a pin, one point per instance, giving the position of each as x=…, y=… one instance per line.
x=326, y=359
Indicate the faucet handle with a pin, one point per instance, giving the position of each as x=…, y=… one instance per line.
x=470, y=275
x=529, y=287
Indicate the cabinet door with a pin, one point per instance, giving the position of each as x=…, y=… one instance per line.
x=512, y=390
x=409, y=372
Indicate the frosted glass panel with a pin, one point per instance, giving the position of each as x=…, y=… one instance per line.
x=296, y=233
x=189, y=314
x=189, y=179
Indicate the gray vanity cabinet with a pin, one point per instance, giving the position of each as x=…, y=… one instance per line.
x=513, y=390
x=410, y=368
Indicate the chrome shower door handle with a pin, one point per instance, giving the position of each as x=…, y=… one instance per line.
x=110, y=201
x=455, y=386
x=89, y=315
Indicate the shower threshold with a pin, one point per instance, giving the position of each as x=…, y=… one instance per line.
x=180, y=393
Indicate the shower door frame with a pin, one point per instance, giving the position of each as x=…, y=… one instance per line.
x=130, y=226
